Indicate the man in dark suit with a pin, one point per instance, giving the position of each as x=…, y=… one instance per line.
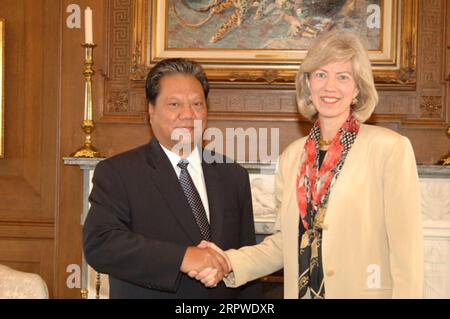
x=152, y=206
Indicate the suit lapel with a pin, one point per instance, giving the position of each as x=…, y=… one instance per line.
x=166, y=181
x=214, y=189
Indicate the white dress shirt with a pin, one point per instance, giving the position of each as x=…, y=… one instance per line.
x=195, y=170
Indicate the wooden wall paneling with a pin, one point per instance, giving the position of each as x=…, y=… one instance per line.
x=51, y=99
x=11, y=180
x=27, y=230
x=32, y=90
x=13, y=13
x=28, y=174
x=28, y=168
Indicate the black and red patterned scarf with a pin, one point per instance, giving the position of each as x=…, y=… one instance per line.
x=313, y=189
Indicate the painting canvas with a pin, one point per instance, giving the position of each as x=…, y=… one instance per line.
x=276, y=31
x=268, y=24
x=2, y=85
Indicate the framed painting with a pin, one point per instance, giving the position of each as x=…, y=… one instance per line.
x=2, y=86
x=265, y=41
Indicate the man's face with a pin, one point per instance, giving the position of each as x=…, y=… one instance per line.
x=180, y=102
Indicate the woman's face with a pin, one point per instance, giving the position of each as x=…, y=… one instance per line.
x=333, y=89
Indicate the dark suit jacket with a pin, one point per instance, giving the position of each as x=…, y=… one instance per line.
x=140, y=224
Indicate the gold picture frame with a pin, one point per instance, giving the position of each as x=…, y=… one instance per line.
x=394, y=60
x=2, y=87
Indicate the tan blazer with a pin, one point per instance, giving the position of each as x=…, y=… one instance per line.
x=372, y=238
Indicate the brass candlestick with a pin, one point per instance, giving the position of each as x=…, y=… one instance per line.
x=88, y=150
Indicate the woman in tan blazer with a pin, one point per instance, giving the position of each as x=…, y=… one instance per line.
x=349, y=219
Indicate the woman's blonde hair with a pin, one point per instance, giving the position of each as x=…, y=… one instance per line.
x=338, y=45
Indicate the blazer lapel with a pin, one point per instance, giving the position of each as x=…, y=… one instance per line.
x=167, y=183
x=215, y=191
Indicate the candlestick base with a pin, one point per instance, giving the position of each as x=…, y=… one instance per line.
x=84, y=293
x=87, y=150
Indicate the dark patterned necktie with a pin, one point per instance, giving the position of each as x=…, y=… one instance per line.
x=194, y=200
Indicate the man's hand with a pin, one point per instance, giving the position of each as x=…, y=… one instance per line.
x=196, y=260
x=205, y=244
x=209, y=276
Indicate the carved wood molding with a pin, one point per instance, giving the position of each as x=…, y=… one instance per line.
x=252, y=101
x=431, y=107
x=401, y=121
x=433, y=26
x=121, y=60
x=139, y=69
x=117, y=101
x=432, y=37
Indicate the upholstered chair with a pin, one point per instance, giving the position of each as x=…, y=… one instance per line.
x=16, y=284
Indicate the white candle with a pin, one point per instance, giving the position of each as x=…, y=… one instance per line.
x=88, y=38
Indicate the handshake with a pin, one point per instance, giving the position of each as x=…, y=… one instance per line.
x=206, y=263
